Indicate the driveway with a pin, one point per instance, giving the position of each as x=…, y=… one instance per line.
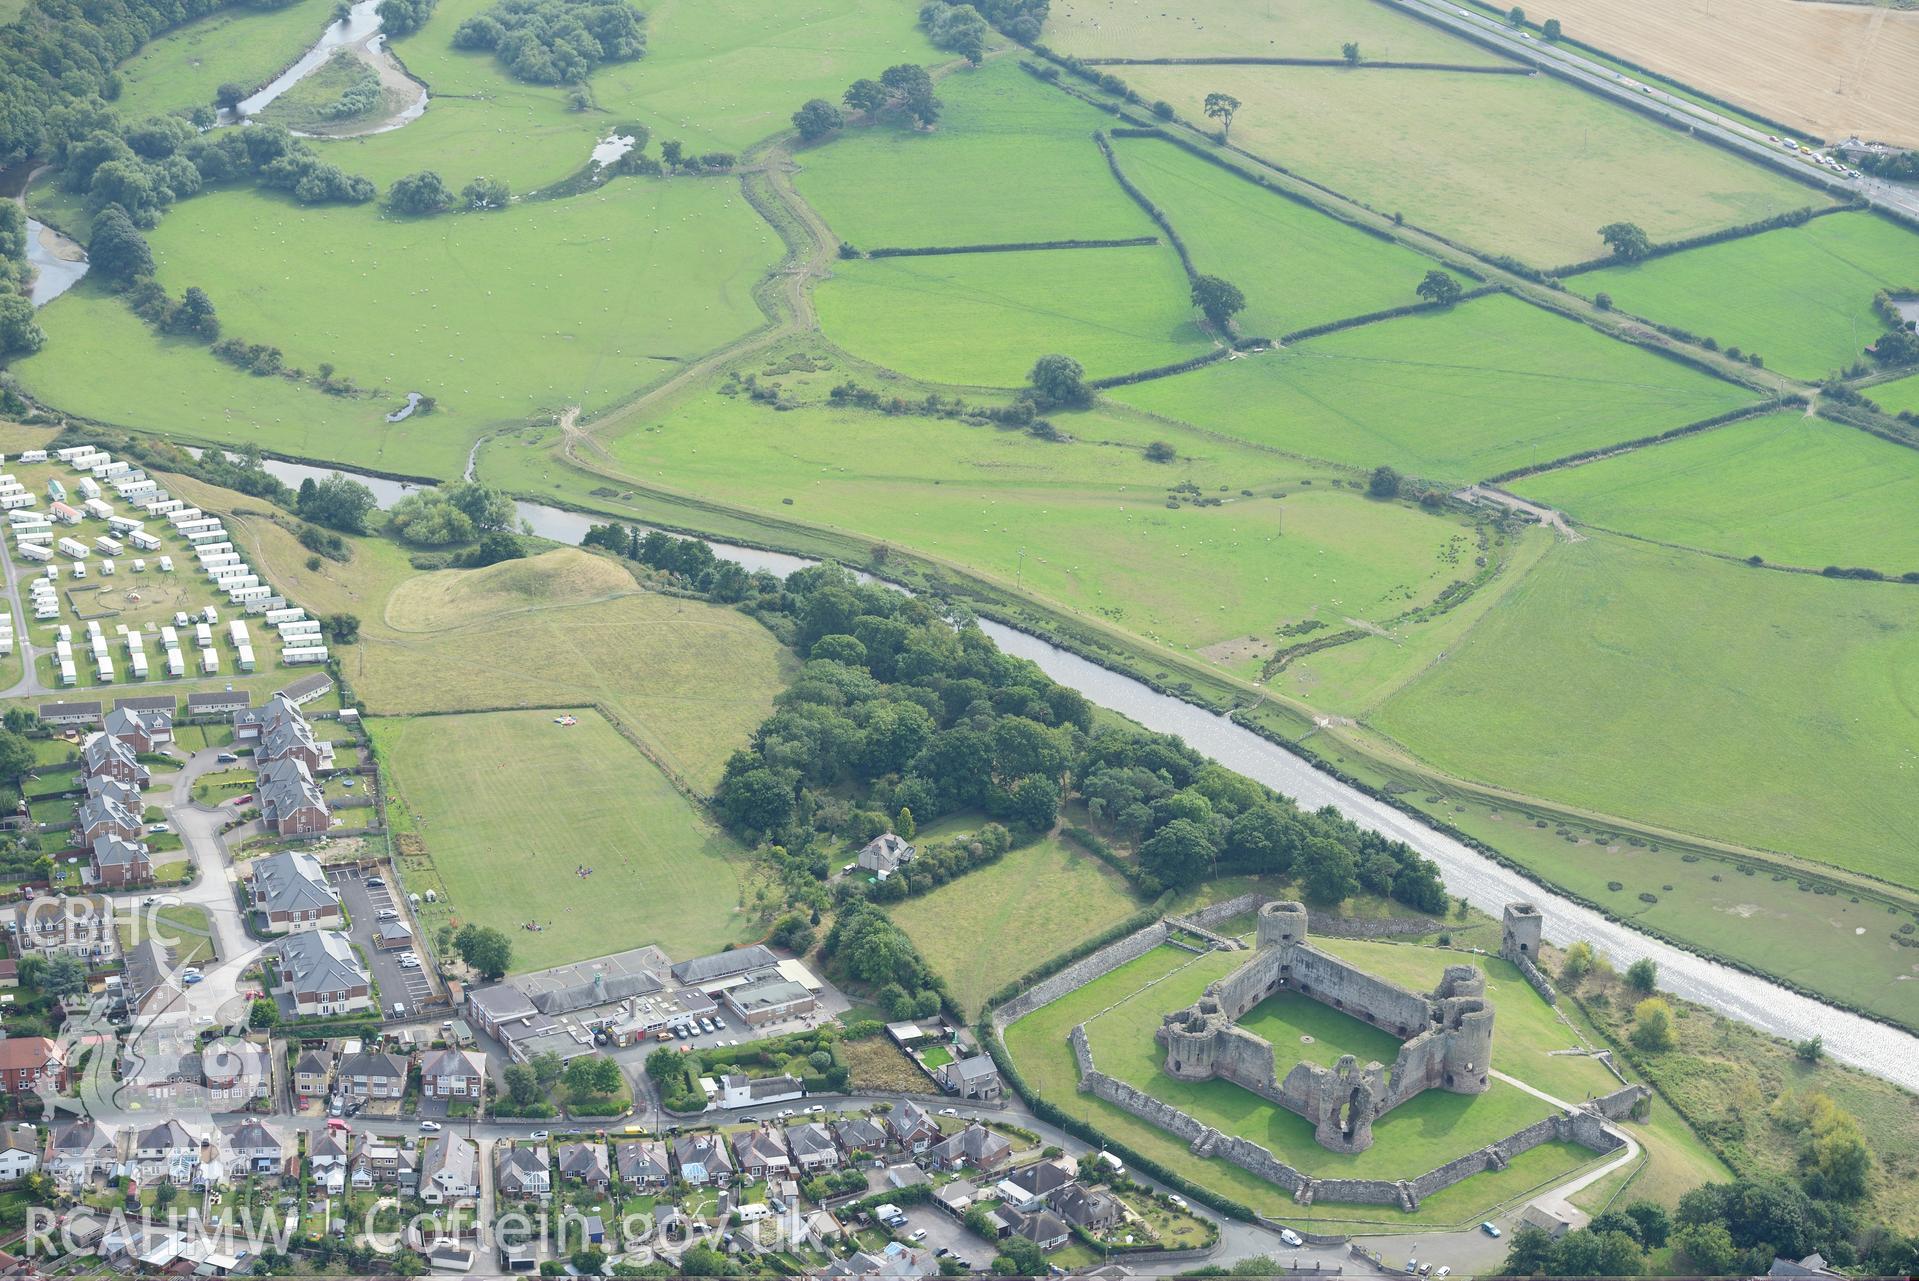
x=364, y=903
x=943, y=1231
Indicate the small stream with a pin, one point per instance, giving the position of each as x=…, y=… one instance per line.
x=1884, y=1051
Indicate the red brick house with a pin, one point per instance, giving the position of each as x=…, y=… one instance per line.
x=26, y=1062
x=116, y=862
x=101, y=817
x=143, y=731
x=109, y=757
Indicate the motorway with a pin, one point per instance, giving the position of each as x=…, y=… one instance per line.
x=1568, y=64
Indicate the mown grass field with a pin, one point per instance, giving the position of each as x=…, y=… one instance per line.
x=1407, y=1140
x=244, y=45
x=1770, y=709
x=1801, y=296
x=1452, y=396
x=987, y=928
x=983, y=319
x=1899, y=395
x=1084, y=523
x=1440, y=147
x=510, y=804
x=1267, y=28
x=1797, y=490
x=1296, y=266
x=1012, y=160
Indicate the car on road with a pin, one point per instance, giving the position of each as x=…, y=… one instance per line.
x=538, y=1135
x=226, y=758
x=429, y=1126
x=949, y=1111
x=1290, y=1237
x=190, y=977
x=1490, y=1228
x=783, y=1113
x=242, y=800
x=816, y=1109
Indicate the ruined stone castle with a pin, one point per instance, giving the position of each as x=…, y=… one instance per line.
x=1446, y=1035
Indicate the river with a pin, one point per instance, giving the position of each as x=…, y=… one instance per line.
x=58, y=263
x=1884, y=1051
x=360, y=32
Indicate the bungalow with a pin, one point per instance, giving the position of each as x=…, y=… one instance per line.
x=1042, y=1227
x=19, y=1151
x=894, y=1262
x=759, y=1154
x=703, y=1159
x=820, y=1229
x=369, y=1075
x=453, y=1074
x=102, y=755
x=450, y=1170
x=1034, y=1184
x=860, y=1135
x=586, y=1163
x=644, y=1163
x=81, y=1151
x=885, y=854
x=29, y=1064
x=61, y=715
x=217, y=703
x=914, y=1130
x=100, y=817
x=1094, y=1209
x=143, y=731
x=812, y=1146
x=972, y=1078
x=251, y=1148
x=523, y=1173
x=322, y=974
x=306, y=689
x=975, y=1146
x=313, y=1073
x=290, y=891
x=116, y=862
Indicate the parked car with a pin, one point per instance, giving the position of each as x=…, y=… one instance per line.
x=1443, y=1273
x=429, y=1126
x=375, y=883
x=539, y=1135
x=226, y=758
x=191, y=975
x=387, y=914
x=1290, y=1237
x=1490, y=1228
x=815, y=1109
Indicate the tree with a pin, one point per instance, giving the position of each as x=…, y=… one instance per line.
x=195, y=315
x=591, y=1075
x=1160, y=451
x=418, y=195
x=1628, y=240
x=1019, y=1257
x=1059, y=380
x=1652, y=1025
x=1550, y=29
x=547, y=1067
x=1327, y=870
x=485, y=949
x=1219, y=299
x=487, y=194
x=1577, y=965
x=264, y=1013
x=1439, y=288
x=1516, y=16
x=958, y=27
x=864, y=95
x=1707, y=1248
x=1643, y=975
x=910, y=89
x=816, y=119
x=229, y=96
x=335, y=501
x=1384, y=483
x=16, y=756
x=20, y=333
x=1812, y=1049
x=1350, y=52
x=64, y=976
x=116, y=248
x=1652, y=1222
x=904, y=824
x=341, y=629
x=666, y=1065
x=1221, y=107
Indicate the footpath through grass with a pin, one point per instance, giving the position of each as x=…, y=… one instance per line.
x=511, y=805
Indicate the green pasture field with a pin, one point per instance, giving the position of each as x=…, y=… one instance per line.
x=1090, y=515
x=1038, y=1045
x=1439, y=147
x=1451, y=396
x=506, y=848
x=241, y=44
x=1797, y=490
x=990, y=926
x=305, y=105
x=1646, y=657
x=983, y=319
x=1296, y=266
x=626, y=283
x=1801, y=296
x=102, y=362
x=1899, y=395
x=1233, y=28
x=1012, y=160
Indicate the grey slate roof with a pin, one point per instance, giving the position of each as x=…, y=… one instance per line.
x=288, y=795
x=373, y=1065
x=586, y=1161
x=307, y=687
x=104, y=809
x=521, y=1170
x=114, y=789
x=810, y=1139
x=644, y=1160
x=111, y=851
x=721, y=965
x=292, y=881
x=860, y=1133
x=321, y=961
x=456, y=1156
x=597, y=990
x=104, y=749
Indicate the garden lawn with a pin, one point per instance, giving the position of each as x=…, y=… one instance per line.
x=1012, y=160
x=1793, y=489
x=1232, y=28
x=983, y=319
x=990, y=926
x=1451, y=396
x=1901, y=395
x=1084, y=523
x=1297, y=267
x=1801, y=296
x=509, y=804
x=1443, y=148
x=1646, y=659
x=243, y=44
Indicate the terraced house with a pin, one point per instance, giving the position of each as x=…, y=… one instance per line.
x=291, y=893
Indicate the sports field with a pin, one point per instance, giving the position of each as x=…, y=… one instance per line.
x=511, y=806
x=989, y=927
x=1012, y=160
x=1439, y=148
x=1801, y=296
x=1646, y=659
x=1793, y=489
x=1250, y=28
x=245, y=44
x=1297, y=267
x=983, y=319
x=1452, y=396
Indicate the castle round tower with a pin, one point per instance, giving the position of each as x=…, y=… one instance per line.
x=1281, y=924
